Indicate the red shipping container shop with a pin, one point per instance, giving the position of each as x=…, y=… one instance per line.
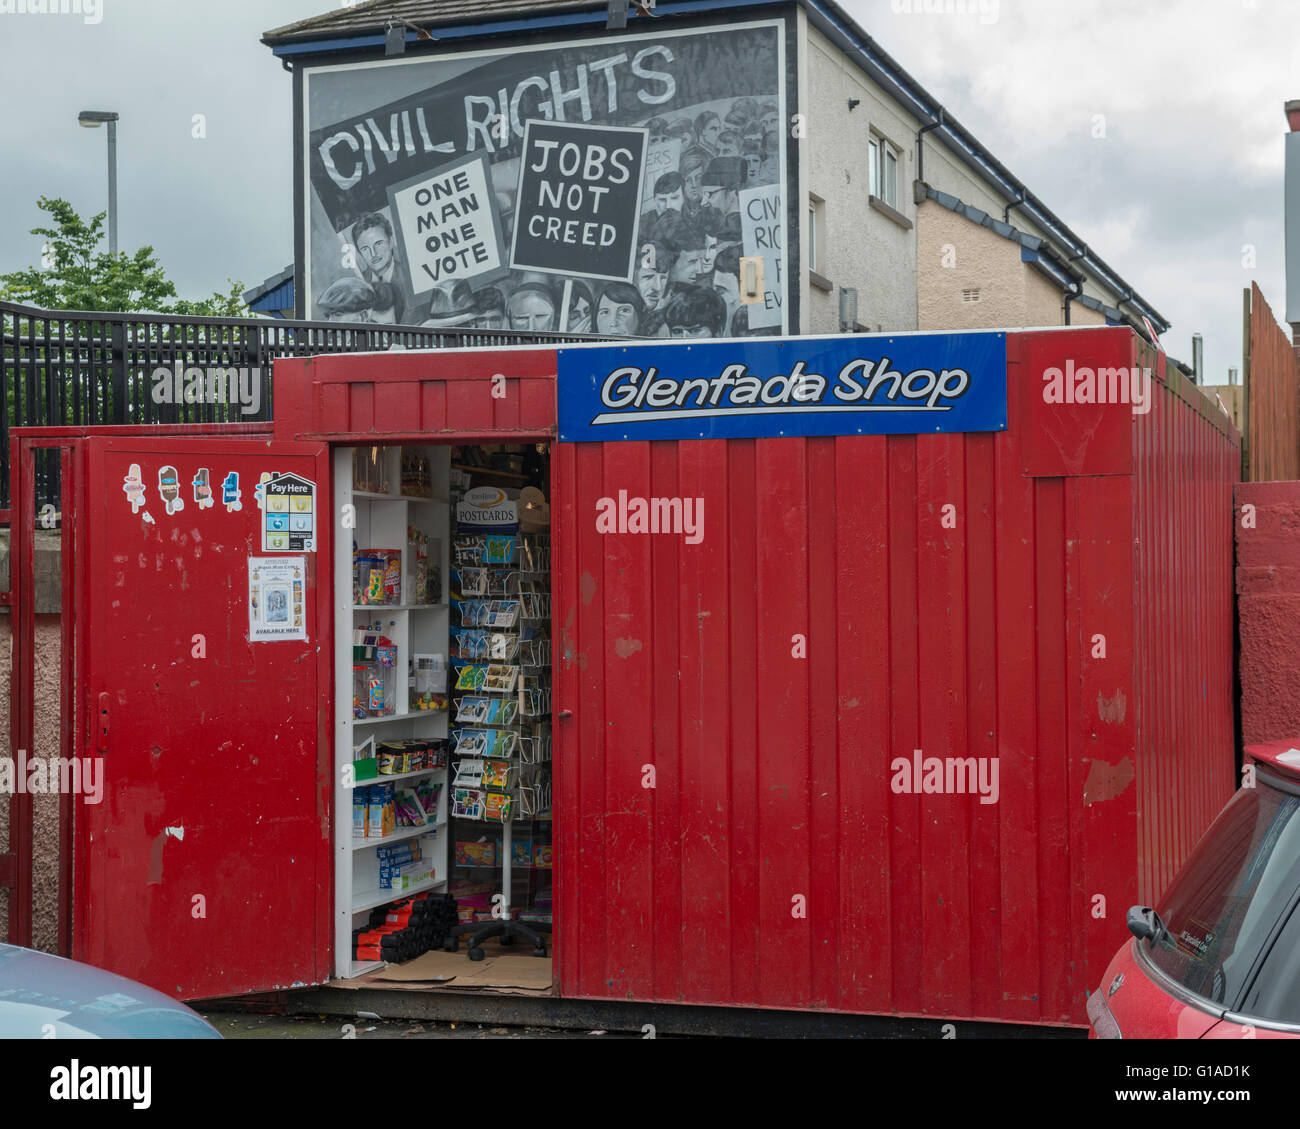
x=920, y=685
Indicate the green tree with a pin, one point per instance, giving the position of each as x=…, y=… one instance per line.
x=75, y=274
x=229, y=305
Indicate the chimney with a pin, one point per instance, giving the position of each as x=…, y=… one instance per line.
x=1198, y=359
x=1232, y=376
x=1292, y=211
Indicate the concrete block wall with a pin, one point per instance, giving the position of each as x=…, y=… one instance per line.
x=861, y=247
x=1268, y=609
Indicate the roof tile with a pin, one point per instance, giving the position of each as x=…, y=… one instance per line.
x=374, y=15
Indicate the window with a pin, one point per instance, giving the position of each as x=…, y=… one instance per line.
x=883, y=158
x=1220, y=910
x=1275, y=994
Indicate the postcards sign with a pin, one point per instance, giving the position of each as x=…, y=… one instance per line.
x=853, y=385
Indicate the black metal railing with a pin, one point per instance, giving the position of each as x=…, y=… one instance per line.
x=78, y=368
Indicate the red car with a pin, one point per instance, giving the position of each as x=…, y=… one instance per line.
x=1219, y=957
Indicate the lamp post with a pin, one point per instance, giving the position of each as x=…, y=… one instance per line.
x=93, y=119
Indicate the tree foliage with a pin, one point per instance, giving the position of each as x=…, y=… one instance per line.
x=76, y=274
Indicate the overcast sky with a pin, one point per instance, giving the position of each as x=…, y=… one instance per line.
x=1189, y=170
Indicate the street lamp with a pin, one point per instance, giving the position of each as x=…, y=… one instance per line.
x=93, y=119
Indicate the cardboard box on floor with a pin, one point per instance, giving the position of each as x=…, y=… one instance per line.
x=501, y=970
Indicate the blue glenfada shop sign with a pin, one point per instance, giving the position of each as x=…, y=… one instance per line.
x=913, y=384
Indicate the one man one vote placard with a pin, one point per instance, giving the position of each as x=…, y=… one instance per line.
x=579, y=200
x=448, y=227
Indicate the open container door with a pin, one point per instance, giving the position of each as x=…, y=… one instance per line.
x=204, y=870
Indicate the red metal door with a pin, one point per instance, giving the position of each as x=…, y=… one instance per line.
x=204, y=869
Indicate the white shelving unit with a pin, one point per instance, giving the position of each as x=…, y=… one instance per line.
x=381, y=521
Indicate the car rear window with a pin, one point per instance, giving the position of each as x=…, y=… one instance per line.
x=1275, y=992
x=1232, y=893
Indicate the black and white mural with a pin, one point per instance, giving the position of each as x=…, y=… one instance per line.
x=610, y=184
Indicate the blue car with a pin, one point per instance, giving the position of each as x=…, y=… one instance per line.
x=49, y=997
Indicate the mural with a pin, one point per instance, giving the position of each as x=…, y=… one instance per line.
x=607, y=185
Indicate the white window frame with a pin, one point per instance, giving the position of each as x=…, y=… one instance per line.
x=881, y=155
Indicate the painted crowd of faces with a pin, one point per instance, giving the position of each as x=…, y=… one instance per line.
x=686, y=279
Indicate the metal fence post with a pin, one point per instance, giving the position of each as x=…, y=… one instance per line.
x=117, y=373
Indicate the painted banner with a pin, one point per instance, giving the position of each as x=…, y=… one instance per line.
x=412, y=177
x=664, y=155
x=902, y=384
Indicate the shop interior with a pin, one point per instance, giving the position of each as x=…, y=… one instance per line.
x=443, y=836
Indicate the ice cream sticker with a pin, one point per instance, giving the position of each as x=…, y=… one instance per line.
x=133, y=488
x=169, y=489
x=231, y=495
x=259, y=491
x=202, y=491
x=289, y=518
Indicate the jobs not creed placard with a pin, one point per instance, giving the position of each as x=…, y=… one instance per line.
x=579, y=200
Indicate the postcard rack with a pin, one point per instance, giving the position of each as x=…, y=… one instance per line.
x=500, y=651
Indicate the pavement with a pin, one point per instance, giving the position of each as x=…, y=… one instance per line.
x=241, y=1025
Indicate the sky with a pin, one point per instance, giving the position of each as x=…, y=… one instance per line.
x=1188, y=176
x=1182, y=187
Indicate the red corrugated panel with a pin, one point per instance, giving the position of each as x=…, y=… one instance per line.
x=1016, y=602
x=855, y=599
x=472, y=393
x=773, y=796
x=1187, y=461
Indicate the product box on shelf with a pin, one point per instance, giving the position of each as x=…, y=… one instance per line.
x=410, y=813
x=476, y=854
x=521, y=852
x=360, y=812
x=365, y=764
x=380, y=814
x=377, y=576
x=398, y=860
x=472, y=897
